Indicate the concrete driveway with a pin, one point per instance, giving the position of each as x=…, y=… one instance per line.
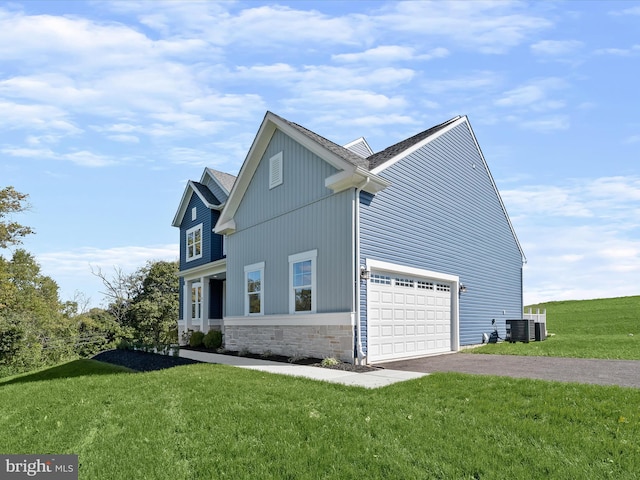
x=625, y=373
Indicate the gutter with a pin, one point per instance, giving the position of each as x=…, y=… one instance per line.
x=356, y=272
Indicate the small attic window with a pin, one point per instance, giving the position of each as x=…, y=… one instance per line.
x=275, y=170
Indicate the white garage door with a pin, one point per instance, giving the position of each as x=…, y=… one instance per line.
x=407, y=316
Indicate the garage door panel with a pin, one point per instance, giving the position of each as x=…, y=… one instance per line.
x=407, y=317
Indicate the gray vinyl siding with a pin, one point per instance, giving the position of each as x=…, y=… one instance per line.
x=216, y=190
x=442, y=214
x=303, y=182
x=298, y=216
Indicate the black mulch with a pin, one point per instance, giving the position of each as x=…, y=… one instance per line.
x=142, y=361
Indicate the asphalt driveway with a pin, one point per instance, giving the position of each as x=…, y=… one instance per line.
x=625, y=373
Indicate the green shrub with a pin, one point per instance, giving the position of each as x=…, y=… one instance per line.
x=213, y=339
x=330, y=362
x=196, y=339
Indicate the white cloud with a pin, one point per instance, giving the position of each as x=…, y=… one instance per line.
x=581, y=239
x=627, y=11
x=619, y=52
x=72, y=269
x=388, y=54
x=533, y=94
x=483, y=80
x=555, y=48
x=486, y=26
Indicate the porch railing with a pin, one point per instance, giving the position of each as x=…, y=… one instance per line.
x=536, y=316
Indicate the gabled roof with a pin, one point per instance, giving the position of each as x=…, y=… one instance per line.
x=343, y=152
x=225, y=180
x=208, y=198
x=352, y=169
x=360, y=147
x=400, y=148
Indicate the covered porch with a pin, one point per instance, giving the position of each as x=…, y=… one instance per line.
x=202, y=298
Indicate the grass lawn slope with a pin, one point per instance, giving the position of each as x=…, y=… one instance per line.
x=213, y=421
x=604, y=328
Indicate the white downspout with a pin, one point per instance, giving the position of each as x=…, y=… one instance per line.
x=357, y=270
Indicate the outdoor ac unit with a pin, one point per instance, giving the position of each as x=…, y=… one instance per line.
x=521, y=330
x=541, y=331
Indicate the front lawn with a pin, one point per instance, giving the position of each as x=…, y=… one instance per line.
x=213, y=421
x=603, y=328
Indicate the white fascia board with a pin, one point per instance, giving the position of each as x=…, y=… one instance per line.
x=495, y=188
x=184, y=202
x=249, y=166
x=419, y=145
x=206, y=270
x=359, y=140
x=312, y=319
x=206, y=174
x=416, y=272
x=355, y=177
x=258, y=147
x=225, y=228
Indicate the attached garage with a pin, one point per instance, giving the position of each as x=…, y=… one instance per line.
x=410, y=312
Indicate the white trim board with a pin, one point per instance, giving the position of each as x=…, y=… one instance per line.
x=308, y=320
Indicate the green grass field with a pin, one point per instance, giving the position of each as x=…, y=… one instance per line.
x=214, y=421
x=603, y=328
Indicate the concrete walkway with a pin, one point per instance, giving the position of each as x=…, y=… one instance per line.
x=375, y=379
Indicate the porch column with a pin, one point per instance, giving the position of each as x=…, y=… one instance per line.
x=186, y=305
x=204, y=309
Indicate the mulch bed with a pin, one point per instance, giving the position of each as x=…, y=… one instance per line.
x=147, y=362
x=142, y=361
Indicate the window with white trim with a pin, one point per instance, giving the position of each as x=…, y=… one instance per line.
x=302, y=282
x=403, y=282
x=381, y=279
x=196, y=301
x=194, y=243
x=275, y=170
x=254, y=289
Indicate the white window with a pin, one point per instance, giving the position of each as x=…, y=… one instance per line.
x=381, y=279
x=196, y=301
x=303, y=295
x=275, y=170
x=194, y=213
x=194, y=243
x=254, y=289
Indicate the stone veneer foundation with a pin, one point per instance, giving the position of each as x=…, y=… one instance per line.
x=317, y=341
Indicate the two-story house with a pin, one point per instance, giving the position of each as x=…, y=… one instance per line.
x=322, y=250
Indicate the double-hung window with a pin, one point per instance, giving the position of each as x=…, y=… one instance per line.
x=194, y=243
x=254, y=289
x=302, y=282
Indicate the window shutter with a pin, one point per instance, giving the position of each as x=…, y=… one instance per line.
x=275, y=170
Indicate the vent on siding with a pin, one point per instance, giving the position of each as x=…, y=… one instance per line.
x=275, y=170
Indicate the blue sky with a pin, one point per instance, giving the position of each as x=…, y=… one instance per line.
x=108, y=108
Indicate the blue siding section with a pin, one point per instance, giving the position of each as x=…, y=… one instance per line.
x=211, y=243
x=441, y=213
